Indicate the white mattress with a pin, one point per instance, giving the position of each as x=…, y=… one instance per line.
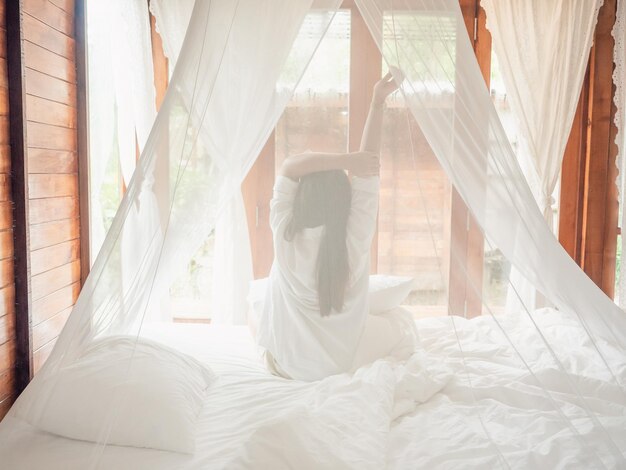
x=254, y=420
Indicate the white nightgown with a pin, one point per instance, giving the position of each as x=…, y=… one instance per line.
x=304, y=344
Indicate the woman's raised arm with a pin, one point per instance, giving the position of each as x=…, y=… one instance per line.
x=364, y=163
x=371, y=139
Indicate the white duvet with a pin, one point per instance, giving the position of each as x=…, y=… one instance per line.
x=420, y=414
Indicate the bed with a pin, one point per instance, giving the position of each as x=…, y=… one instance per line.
x=423, y=414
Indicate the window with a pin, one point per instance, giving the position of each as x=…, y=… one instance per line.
x=317, y=115
x=417, y=205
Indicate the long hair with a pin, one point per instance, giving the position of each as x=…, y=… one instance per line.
x=323, y=199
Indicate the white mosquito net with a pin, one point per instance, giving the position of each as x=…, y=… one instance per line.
x=238, y=67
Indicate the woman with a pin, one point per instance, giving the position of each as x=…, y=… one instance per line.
x=315, y=320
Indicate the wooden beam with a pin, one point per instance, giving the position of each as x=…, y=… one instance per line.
x=466, y=258
x=573, y=179
x=19, y=190
x=482, y=44
x=600, y=212
x=82, y=124
x=161, y=82
x=160, y=63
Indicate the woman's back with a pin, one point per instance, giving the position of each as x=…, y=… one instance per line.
x=306, y=344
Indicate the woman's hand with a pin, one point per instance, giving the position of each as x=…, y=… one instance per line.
x=386, y=86
x=363, y=164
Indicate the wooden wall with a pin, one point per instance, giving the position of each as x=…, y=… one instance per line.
x=42, y=73
x=7, y=291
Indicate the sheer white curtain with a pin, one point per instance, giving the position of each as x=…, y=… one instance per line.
x=619, y=79
x=122, y=105
x=134, y=79
x=232, y=258
x=543, y=49
x=172, y=19
x=170, y=213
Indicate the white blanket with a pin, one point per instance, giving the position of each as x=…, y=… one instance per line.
x=421, y=414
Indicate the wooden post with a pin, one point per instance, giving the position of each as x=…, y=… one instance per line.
x=160, y=63
x=7, y=290
x=573, y=179
x=465, y=237
x=19, y=187
x=601, y=205
x=160, y=66
x=82, y=125
x=588, y=223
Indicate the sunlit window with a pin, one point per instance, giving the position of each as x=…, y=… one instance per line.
x=316, y=118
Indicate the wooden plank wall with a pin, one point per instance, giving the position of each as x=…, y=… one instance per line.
x=7, y=287
x=51, y=154
x=42, y=77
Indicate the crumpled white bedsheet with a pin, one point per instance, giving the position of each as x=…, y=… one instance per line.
x=419, y=414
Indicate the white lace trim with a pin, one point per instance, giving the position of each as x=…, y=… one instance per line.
x=155, y=9
x=619, y=98
x=619, y=74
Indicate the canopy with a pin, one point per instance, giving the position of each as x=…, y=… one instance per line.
x=238, y=67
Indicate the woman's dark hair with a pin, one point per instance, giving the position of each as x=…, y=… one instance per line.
x=323, y=199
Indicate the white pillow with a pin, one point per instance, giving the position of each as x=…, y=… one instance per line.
x=388, y=292
x=153, y=403
x=385, y=292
